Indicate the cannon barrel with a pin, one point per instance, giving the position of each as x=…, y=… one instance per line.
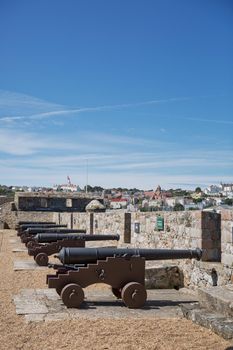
x=19, y=223
x=34, y=231
x=91, y=255
x=53, y=237
x=26, y=226
x=35, y=222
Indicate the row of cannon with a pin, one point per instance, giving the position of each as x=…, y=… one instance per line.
x=79, y=267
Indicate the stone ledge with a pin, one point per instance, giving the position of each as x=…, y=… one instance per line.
x=217, y=299
x=217, y=323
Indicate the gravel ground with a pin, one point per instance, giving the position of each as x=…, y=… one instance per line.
x=85, y=334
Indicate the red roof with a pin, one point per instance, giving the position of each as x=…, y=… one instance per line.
x=119, y=200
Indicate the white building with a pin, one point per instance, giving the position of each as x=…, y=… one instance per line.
x=227, y=190
x=67, y=188
x=213, y=190
x=118, y=203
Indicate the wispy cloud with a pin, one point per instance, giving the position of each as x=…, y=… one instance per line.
x=205, y=120
x=44, y=109
x=21, y=143
x=50, y=176
x=18, y=142
x=13, y=104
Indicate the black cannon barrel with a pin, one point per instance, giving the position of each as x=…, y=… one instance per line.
x=26, y=226
x=91, y=255
x=34, y=231
x=53, y=237
x=35, y=222
x=23, y=229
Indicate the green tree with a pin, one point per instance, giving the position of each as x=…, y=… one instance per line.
x=178, y=207
x=197, y=200
x=198, y=190
x=228, y=201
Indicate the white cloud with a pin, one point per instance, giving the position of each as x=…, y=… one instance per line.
x=205, y=120
x=13, y=104
x=48, y=177
x=29, y=107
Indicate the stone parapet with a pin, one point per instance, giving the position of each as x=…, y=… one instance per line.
x=227, y=237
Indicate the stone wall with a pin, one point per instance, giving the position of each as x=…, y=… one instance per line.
x=186, y=229
x=73, y=220
x=5, y=199
x=66, y=202
x=227, y=237
x=10, y=217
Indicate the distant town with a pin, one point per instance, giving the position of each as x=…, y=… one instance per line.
x=211, y=198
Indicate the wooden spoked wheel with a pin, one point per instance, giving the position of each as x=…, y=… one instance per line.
x=42, y=259
x=72, y=295
x=134, y=295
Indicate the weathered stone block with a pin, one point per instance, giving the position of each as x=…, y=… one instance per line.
x=163, y=277
x=227, y=235
x=215, y=322
x=227, y=259
x=218, y=299
x=227, y=215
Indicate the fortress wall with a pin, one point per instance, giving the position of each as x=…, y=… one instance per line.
x=227, y=237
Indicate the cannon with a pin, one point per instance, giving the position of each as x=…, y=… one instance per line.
x=24, y=227
x=122, y=269
x=48, y=244
x=32, y=222
x=30, y=233
x=20, y=223
x=35, y=231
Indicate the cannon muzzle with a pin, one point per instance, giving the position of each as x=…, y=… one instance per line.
x=91, y=255
x=53, y=237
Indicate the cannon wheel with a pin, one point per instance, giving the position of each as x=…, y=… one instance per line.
x=42, y=259
x=31, y=244
x=72, y=295
x=134, y=295
x=116, y=292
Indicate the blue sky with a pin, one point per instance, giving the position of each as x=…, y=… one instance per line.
x=142, y=89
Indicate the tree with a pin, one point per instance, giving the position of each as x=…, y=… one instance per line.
x=198, y=190
x=228, y=201
x=178, y=207
x=197, y=200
